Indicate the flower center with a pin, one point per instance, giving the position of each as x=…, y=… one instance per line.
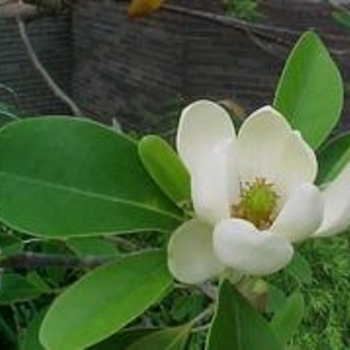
x=257, y=203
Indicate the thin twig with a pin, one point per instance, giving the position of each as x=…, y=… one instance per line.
x=199, y=329
x=57, y=91
x=204, y=315
x=257, y=32
x=261, y=29
x=12, y=93
x=123, y=242
x=208, y=289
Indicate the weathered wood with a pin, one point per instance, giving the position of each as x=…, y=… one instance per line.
x=13, y=9
x=124, y=68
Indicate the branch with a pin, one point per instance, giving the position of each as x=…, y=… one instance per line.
x=256, y=28
x=57, y=91
x=262, y=35
x=30, y=260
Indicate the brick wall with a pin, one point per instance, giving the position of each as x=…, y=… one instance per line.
x=133, y=70
x=52, y=42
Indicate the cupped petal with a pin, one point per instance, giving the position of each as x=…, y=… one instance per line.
x=191, y=257
x=268, y=148
x=301, y=215
x=297, y=164
x=215, y=183
x=202, y=126
x=260, y=141
x=336, y=197
x=238, y=244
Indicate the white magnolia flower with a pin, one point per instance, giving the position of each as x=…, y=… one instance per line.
x=253, y=194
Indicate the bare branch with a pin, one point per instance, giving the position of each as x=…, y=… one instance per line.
x=271, y=39
x=262, y=30
x=30, y=260
x=57, y=91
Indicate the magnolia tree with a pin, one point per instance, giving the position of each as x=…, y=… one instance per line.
x=226, y=210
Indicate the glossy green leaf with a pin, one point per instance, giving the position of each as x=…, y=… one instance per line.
x=238, y=326
x=310, y=90
x=64, y=177
x=333, y=157
x=165, y=168
x=166, y=339
x=104, y=301
x=287, y=320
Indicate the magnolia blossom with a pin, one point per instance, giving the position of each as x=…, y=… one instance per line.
x=253, y=194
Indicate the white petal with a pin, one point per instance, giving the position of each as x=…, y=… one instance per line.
x=260, y=140
x=301, y=215
x=191, y=258
x=336, y=198
x=215, y=184
x=241, y=246
x=297, y=164
x=269, y=148
x=203, y=125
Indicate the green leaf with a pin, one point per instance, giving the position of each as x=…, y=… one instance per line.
x=16, y=288
x=333, y=157
x=64, y=177
x=300, y=269
x=7, y=330
x=10, y=244
x=36, y=280
x=30, y=337
x=238, y=326
x=287, y=320
x=186, y=306
x=342, y=16
x=166, y=339
x=104, y=301
x=166, y=169
x=122, y=339
x=310, y=90
x=94, y=246
x=275, y=300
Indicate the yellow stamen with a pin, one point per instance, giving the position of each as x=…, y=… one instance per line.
x=257, y=203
